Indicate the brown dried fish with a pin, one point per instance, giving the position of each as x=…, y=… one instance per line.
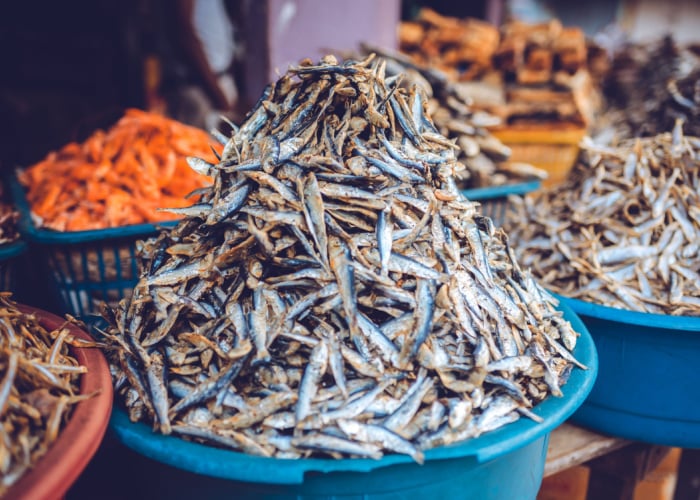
x=38, y=384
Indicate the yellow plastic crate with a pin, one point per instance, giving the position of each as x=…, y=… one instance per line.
x=551, y=147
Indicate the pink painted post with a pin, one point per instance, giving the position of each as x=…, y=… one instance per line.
x=279, y=33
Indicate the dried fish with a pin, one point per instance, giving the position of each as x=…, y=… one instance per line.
x=39, y=384
x=623, y=231
x=525, y=73
x=323, y=327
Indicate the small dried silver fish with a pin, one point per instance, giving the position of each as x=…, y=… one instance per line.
x=623, y=231
x=311, y=310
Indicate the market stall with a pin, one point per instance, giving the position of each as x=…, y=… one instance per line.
x=447, y=254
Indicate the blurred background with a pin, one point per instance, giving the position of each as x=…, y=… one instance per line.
x=70, y=67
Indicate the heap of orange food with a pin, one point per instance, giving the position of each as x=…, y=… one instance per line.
x=118, y=177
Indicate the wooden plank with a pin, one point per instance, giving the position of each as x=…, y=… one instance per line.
x=660, y=483
x=570, y=445
x=570, y=48
x=571, y=484
x=539, y=112
x=528, y=76
x=688, y=487
x=615, y=475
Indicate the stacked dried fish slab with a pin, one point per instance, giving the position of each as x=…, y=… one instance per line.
x=38, y=386
x=535, y=73
x=450, y=106
x=624, y=230
x=333, y=294
x=463, y=48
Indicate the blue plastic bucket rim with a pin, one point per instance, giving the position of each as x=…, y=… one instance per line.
x=49, y=236
x=232, y=465
x=665, y=321
x=12, y=249
x=491, y=192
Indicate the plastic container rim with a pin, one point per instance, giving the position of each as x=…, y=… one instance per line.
x=231, y=465
x=665, y=321
x=490, y=192
x=12, y=249
x=55, y=471
x=39, y=235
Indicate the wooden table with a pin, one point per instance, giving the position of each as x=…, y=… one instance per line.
x=616, y=465
x=570, y=445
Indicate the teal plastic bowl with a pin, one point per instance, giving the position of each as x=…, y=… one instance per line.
x=649, y=367
x=494, y=199
x=504, y=464
x=10, y=255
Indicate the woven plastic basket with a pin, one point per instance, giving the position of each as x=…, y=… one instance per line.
x=85, y=267
x=494, y=200
x=552, y=148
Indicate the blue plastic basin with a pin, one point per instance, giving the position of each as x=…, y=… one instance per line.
x=494, y=199
x=504, y=464
x=649, y=367
x=10, y=254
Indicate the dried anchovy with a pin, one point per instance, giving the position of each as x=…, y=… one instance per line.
x=624, y=230
x=38, y=387
x=333, y=294
x=485, y=157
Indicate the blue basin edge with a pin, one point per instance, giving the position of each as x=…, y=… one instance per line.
x=227, y=464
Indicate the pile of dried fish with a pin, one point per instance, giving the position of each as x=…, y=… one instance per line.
x=450, y=107
x=333, y=294
x=624, y=230
x=650, y=86
x=39, y=384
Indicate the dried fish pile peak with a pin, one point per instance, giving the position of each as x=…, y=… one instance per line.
x=333, y=294
x=38, y=384
x=624, y=230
